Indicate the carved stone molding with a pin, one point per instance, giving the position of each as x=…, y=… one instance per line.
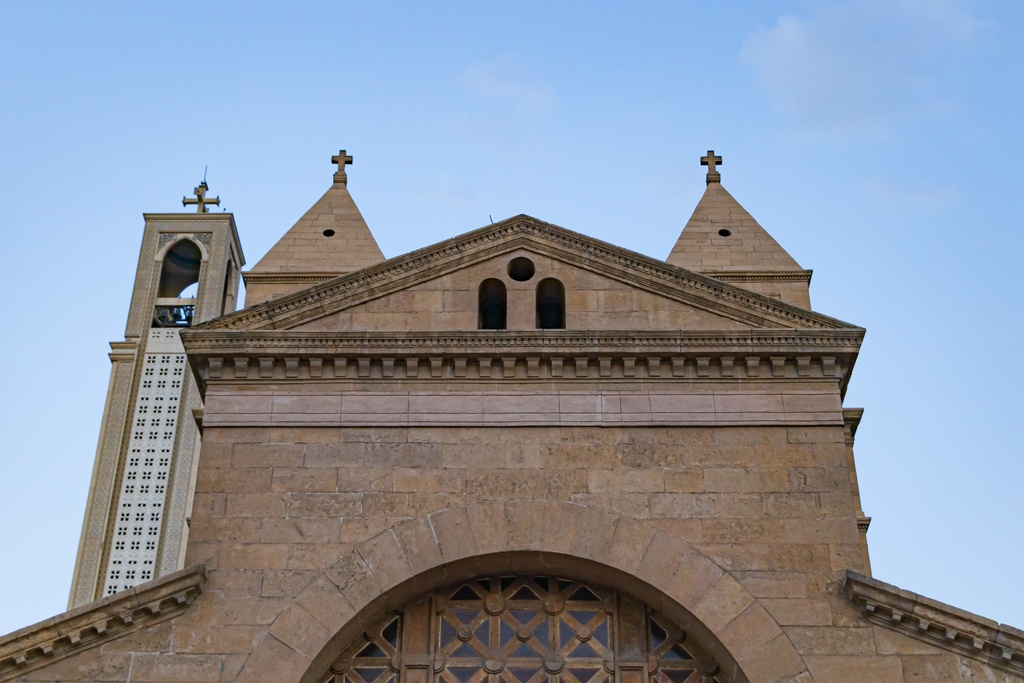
x=276, y=366
x=998, y=645
x=765, y=354
x=200, y=340
x=99, y=622
x=759, y=275
x=851, y=421
x=288, y=278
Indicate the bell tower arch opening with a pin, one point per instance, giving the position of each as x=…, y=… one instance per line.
x=178, y=287
x=180, y=269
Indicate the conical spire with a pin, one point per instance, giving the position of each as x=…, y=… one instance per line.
x=722, y=240
x=330, y=239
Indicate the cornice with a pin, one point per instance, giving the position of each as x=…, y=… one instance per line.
x=273, y=278
x=998, y=645
x=523, y=231
x=201, y=340
x=851, y=421
x=99, y=622
x=188, y=217
x=488, y=356
x=760, y=275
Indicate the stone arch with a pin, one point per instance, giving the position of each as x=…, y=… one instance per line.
x=388, y=570
x=164, y=248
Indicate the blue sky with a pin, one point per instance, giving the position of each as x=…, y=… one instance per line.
x=879, y=141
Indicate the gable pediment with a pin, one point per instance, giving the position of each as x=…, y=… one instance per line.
x=623, y=289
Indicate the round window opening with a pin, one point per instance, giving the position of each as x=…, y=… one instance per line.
x=521, y=269
x=724, y=233
x=328, y=233
x=525, y=629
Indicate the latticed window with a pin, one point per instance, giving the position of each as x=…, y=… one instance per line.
x=524, y=629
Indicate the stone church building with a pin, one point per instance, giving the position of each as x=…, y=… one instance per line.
x=520, y=455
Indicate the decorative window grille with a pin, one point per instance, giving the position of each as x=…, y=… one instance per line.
x=523, y=629
x=143, y=484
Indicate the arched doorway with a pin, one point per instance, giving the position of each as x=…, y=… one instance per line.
x=524, y=629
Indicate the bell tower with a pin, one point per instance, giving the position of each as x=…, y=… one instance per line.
x=136, y=517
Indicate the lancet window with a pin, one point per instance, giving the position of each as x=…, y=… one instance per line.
x=523, y=629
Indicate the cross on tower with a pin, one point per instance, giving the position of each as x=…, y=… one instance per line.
x=200, y=199
x=342, y=160
x=710, y=160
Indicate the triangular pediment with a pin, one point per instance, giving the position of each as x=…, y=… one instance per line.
x=683, y=299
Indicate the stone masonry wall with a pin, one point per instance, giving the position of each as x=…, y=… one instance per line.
x=749, y=528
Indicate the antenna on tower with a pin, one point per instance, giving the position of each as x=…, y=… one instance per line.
x=205, y=169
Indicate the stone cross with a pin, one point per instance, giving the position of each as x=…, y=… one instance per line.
x=710, y=160
x=200, y=199
x=342, y=160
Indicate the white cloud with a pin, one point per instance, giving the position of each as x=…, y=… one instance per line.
x=863, y=65
x=498, y=81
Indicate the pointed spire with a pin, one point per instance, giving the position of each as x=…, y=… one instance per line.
x=330, y=239
x=722, y=240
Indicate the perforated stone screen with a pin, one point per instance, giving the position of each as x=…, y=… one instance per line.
x=136, y=532
x=523, y=629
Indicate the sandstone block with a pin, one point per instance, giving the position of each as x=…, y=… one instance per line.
x=301, y=530
x=170, y=668
x=291, y=479
x=799, y=611
x=300, y=631
x=722, y=603
x=823, y=640
x=855, y=669
x=256, y=504
x=324, y=504
x=315, y=555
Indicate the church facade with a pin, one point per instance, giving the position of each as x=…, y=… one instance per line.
x=519, y=455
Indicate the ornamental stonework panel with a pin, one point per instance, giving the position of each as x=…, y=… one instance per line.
x=523, y=629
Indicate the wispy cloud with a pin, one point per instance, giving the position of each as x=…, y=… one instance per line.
x=500, y=81
x=860, y=66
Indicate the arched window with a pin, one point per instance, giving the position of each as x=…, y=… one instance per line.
x=180, y=269
x=550, y=304
x=524, y=629
x=493, y=306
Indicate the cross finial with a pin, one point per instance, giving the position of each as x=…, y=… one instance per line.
x=342, y=160
x=200, y=200
x=710, y=160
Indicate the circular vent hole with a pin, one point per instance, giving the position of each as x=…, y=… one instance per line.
x=521, y=269
x=328, y=233
x=724, y=233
